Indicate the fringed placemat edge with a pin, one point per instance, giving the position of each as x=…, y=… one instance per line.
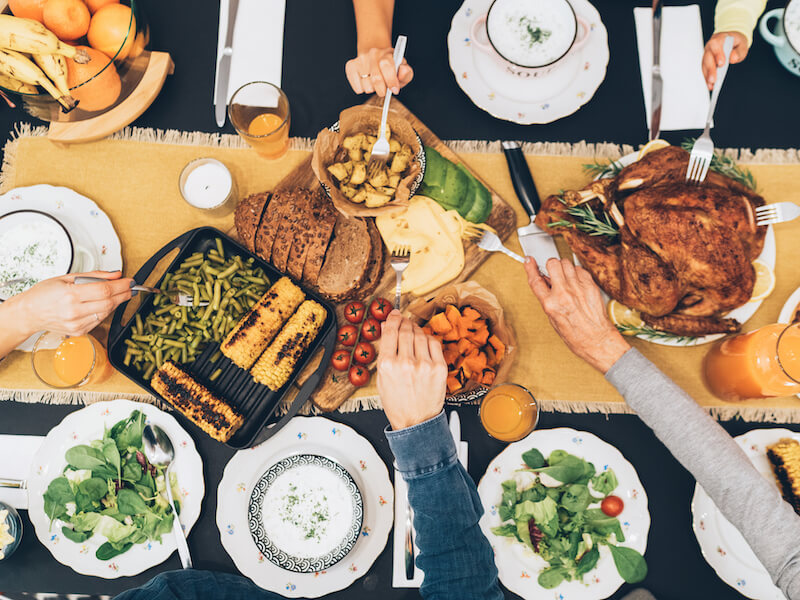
x=74, y=397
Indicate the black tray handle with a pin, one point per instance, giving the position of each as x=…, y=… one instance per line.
x=305, y=391
x=141, y=275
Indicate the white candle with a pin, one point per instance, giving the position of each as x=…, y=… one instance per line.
x=206, y=183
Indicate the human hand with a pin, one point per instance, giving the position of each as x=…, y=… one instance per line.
x=412, y=373
x=373, y=71
x=59, y=305
x=714, y=57
x=572, y=302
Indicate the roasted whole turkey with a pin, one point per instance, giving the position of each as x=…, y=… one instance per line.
x=683, y=254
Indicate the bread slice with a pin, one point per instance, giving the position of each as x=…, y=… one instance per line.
x=286, y=231
x=248, y=218
x=377, y=262
x=324, y=217
x=303, y=235
x=274, y=215
x=347, y=259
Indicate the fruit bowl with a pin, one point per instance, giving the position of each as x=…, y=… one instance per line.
x=116, y=42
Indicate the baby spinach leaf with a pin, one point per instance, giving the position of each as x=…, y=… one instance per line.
x=85, y=457
x=94, y=487
x=107, y=551
x=630, y=564
x=507, y=530
x=552, y=577
x=604, y=525
x=130, y=434
x=58, y=494
x=587, y=562
x=111, y=454
x=165, y=525
x=588, y=473
x=576, y=498
x=534, y=494
x=556, y=456
x=130, y=503
x=76, y=536
x=533, y=458
x=507, y=500
x=605, y=482
x=132, y=471
x=566, y=470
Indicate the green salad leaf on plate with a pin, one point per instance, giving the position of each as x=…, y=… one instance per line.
x=109, y=489
x=551, y=506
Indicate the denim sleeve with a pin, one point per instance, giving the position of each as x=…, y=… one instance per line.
x=455, y=556
x=190, y=584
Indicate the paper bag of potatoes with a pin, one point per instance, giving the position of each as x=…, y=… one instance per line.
x=341, y=162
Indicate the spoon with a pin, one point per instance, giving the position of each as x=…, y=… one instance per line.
x=159, y=451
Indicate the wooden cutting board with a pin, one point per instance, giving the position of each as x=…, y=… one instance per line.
x=335, y=387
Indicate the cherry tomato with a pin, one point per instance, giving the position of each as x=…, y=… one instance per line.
x=380, y=309
x=359, y=375
x=371, y=330
x=365, y=353
x=612, y=505
x=341, y=360
x=354, y=312
x=347, y=335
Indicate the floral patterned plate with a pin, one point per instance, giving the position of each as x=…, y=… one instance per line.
x=519, y=567
x=88, y=226
x=515, y=97
x=81, y=427
x=307, y=435
x=722, y=545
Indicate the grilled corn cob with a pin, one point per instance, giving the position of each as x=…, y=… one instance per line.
x=785, y=458
x=275, y=366
x=198, y=404
x=255, y=331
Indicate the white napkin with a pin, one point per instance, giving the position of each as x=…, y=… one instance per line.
x=685, y=95
x=18, y=451
x=257, y=42
x=400, y=501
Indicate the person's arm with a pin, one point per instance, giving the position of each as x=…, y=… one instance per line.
x=455, y=556
x=573, y=303
x=372, y=70
x=736, y=18
x=192, y=584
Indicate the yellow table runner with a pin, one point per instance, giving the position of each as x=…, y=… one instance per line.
x=134, y=178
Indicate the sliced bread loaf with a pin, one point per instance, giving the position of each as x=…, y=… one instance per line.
x=347, y=259
x=248, y=218
x=323, y=216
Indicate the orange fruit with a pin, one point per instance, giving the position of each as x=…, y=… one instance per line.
x=95, y=5
x=27, y=9
x=68, y=19
x=100, y=81
x=113, y=28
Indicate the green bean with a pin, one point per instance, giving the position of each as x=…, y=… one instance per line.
x=220, y=249
x=215, y=375
x=174, y=343
x=256, y=280
x=159, y=358
x=216, y=258
x=139, y=325
x=215, y=357
x=127, y=360
x=229, y=271
x=149, y=371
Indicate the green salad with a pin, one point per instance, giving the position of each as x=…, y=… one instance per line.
x=551, y=506
x=108, y=488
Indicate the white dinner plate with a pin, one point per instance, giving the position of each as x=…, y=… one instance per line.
x=722, y=545
x=527, y=100
x=82, y=427
x=518, y=567
x=88, y=226
x=742, y=313
x=790, y=309
x=306, y=435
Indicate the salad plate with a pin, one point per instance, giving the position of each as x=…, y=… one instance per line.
x=723, y=547
x=247, y=469
x=519, y=567
x=49, y=462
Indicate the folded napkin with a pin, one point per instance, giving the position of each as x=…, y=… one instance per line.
x=257, y=42
x=685, y=95
x=21, y=448
x=400, y=502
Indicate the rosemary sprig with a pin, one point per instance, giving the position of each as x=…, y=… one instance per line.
x=650, y=333
x=603, y=170
x=588, y=221
x=725, y=165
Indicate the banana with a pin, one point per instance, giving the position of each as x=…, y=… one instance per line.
x=17, y=66
x=15, y=85
x=55, y=67
x=27, y=35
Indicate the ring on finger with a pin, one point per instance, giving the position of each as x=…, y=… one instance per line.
x=97, y=317
x=367, y=76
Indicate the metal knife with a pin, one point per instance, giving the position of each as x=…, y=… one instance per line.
x=224, y=66
x=657, y=84
x=455, y=428
x=534, y=240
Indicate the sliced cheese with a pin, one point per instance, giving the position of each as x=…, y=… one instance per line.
x=437, y=254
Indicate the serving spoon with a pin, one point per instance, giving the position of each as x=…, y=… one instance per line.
x=159, y=451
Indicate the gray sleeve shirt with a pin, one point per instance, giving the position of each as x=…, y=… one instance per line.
x=751, y=503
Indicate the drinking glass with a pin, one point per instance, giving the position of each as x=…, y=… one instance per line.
x=259, y=111
x=509, y=412
x=65, y=362
x=764, y=363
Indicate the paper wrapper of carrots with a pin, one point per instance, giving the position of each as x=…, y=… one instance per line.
x=328, y=150
x=482, y=300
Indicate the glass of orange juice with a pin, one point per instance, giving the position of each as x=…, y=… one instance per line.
x=64, y=362
x=260, y=113
x=509, y=412
x=761, y=364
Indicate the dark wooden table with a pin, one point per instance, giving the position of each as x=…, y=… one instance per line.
x=757, y=109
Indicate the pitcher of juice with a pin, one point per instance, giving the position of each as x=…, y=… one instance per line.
x=764, y=363
x=509, y=412
x=64, y=362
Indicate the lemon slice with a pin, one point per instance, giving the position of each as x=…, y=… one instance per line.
x=651, y=146
x=622, y=316
x=765, y=281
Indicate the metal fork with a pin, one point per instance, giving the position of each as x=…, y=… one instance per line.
x=490, y=242
x=175, y=297
x=380, y=150
x=780, y=212
x=401, y=257
x=703, y=149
